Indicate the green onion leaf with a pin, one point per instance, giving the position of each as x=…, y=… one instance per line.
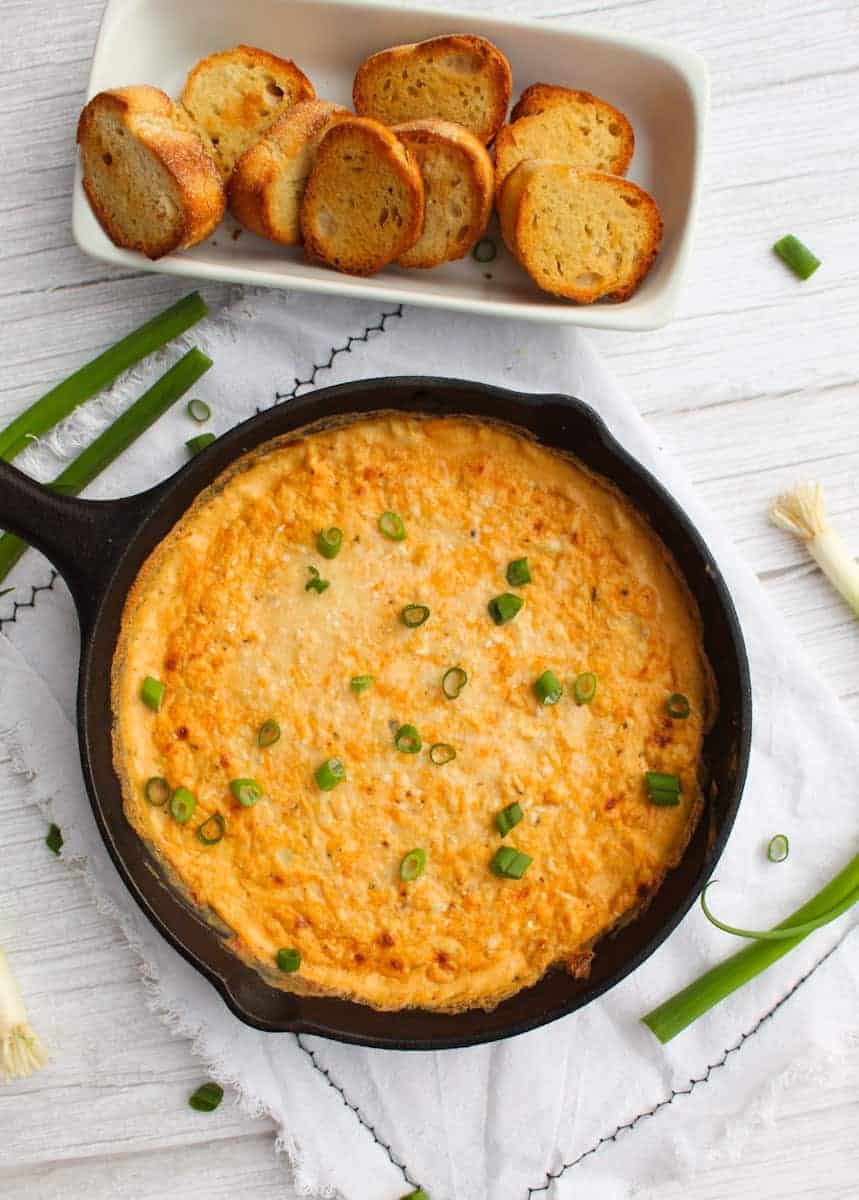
x=408, y=740
x=329, y=774
x=510, y=863
x=198, y=443
x=199, y=411
x=441, y=753
x=207, y=1097
x=329, y=542
x=678, y=706
x=783, y=932
x=152, y=693
x=547, y=688
x=585, y=687
x=778, y=848
x=517, y=572
x=247, y=791
x=505, y=607
x=288, y=960
x=182, y=805
x=269, y=733
x=54, y=839
x=157, y=791
x=212, y=830
x=484, y=251
x=508, y=817
x=360, y=683
x=413, y=865
x=414, y=615
x=315, y=583
x=453, y=681
x=391, y=525
x=797, y=256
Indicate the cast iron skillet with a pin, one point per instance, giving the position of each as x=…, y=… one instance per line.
x=99, y=547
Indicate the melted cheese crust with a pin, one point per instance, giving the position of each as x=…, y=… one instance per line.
x=220, y=614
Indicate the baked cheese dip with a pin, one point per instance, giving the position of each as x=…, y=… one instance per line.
x=415, y=708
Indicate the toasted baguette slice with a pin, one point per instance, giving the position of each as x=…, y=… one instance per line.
x=566, y=126
x=579, y=234
x=458, y=77
x=150, y=181
x=363, y=205
x=267, y=183
x=236, y=94
x=457, y=174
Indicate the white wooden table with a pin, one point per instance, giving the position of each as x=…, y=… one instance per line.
x=753, y=386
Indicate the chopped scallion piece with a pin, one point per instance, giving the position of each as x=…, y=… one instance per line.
x=200, y=442
x=778, y=848
x=54, y=839
x=182, y=805
x=157, y=791
x=413, y=865
x=678, y=706
x=453, y=681
x=247, y=791
x=508, y=817
x=585, y=687
x=505, y=607
x=797, y=256
x=329, y=542
x=417, y=1194
x=547, y=688
x=510, y=863
x=152, y=693
x=199, y=411
x=207, y=1097
x=288, y=960
x=441, y=753
x=316, y=583
x=518, y=573
x=360, y=683
x=408, y=740
x=391, y=525
x=662, y=798
x=329, y=774
x=663, y=790
x=212, y=830
x=484, y=251
x=414, y=615
x=269, y=733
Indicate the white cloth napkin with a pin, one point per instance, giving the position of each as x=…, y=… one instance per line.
x=493, y=1121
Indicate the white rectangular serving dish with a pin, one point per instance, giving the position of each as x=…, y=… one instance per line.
x=663, y=90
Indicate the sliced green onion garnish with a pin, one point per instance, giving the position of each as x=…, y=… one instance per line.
x=329, y=541
x=199, y=411
x=269, y=733
x=408, y=740
x=182, y=805
x=663, y=798
x=510, y=863
x=678, y=706
x=207, y=1097
x=316, y=583
x=152, y=693
x=413, y=865
x=778, y=848
x=329, y=774
x=518, y=573
x=417, y=1194
x=484, y=251
x=360, y=683
x=247, y=791
x=453, y=681
x=54, y=839
x=797, y=256
x=441, y=753
x=200, y=442
x=157, y=791
x=505, y=607
x=288, y=960
x=659, y=781
x=414, y=614
x=391, y=525
x=212, y=830
x=508, y=817
x=547, y=688
x=585, y=687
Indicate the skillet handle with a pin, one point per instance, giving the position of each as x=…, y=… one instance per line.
x=84, y=539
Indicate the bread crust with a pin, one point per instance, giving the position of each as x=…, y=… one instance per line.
x=493, y=63
x=149, y=116
x=250, y=192
x=475, y=160
x=386, y=147
x=521, y=227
